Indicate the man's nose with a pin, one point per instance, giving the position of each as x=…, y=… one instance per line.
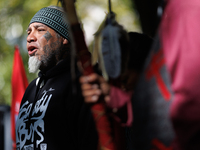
x=31, y=37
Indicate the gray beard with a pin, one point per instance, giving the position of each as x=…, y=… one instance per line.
x=33, y=64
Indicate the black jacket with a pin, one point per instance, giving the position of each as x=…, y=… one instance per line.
x=51, y=117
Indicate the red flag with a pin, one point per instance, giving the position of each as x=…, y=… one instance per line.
x=19, y=84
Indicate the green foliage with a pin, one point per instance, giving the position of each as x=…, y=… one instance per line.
x=14, y=19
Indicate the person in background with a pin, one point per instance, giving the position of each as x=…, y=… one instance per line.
x=116, y=98
x=150, y=97
x=139, y=47
x=50, y=116
x=179, y=32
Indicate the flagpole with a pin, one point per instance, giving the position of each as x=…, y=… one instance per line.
x=109, y=6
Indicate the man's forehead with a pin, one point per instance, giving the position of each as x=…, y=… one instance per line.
x=37, y=24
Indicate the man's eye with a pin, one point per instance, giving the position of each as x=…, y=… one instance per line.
x=41, y=29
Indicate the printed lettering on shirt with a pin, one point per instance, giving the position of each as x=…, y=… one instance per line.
x=43, y=146
x=29, y=147
x=30, y=124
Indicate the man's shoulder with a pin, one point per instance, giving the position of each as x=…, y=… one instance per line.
x=31, y=85
x=34, y=82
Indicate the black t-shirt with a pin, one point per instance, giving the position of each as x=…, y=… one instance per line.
x=51, y=117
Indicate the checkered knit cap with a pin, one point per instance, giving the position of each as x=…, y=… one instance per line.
x=54, y=19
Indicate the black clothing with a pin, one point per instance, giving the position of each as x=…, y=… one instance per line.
x=152, y=98
x=51, y=118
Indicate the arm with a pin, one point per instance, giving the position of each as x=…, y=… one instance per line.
x=117, y=100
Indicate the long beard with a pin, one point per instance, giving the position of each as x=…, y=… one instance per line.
x=33, y=64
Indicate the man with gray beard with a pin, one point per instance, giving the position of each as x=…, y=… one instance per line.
x=50, y=117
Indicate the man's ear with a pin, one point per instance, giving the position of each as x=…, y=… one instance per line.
x=65, y=41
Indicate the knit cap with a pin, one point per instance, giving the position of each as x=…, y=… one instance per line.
x=54, y=19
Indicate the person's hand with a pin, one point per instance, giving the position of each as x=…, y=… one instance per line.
x=93, y=86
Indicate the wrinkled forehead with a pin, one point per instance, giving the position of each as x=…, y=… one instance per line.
x=36, y=25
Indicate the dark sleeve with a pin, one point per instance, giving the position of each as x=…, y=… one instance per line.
x=82, y=127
